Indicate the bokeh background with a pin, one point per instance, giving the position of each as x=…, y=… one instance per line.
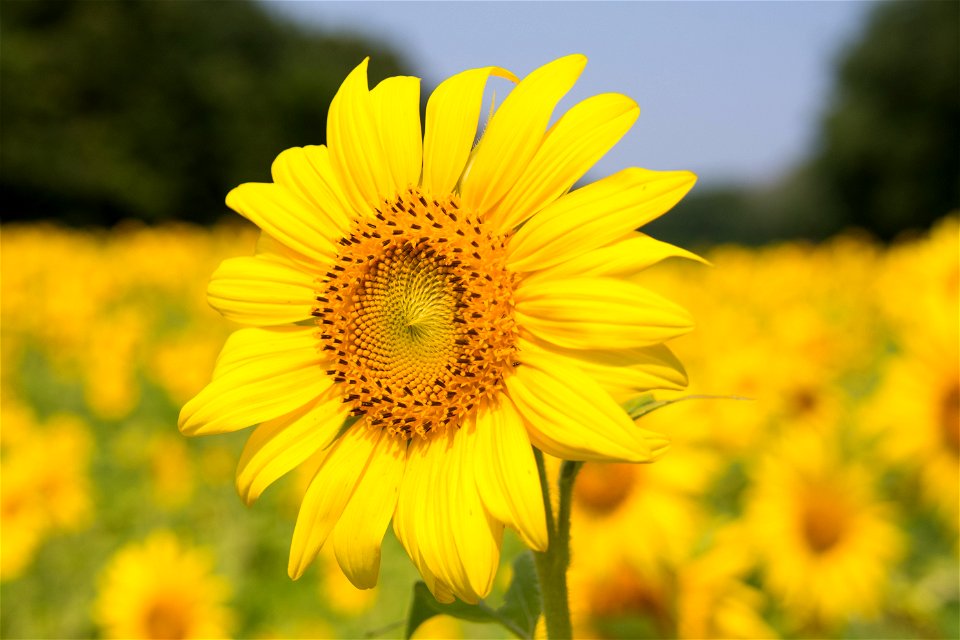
x=826, y=139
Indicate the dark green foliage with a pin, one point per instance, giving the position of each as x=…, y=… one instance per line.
x=888, y=156
x=796, y=206
x=154, y=110
x=518, y=614
x=891, y=142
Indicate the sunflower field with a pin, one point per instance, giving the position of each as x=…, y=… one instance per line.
x=811, y=489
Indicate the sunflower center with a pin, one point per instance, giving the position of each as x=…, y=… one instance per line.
x=950, y=420
x=418, y=310
x=601, y=488
x=627, y=593
x=165, y=620
x=824, y=521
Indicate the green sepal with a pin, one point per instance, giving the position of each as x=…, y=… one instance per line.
x=518, y=614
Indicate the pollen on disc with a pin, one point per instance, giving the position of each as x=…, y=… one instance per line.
x=417, y=315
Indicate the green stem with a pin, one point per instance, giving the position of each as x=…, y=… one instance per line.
x=552, y=564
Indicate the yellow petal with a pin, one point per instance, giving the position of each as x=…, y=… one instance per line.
x=569, y=415
x=396, y=103
x=278, y=446
x=596, y=215
x=506, y=472
x=270, y=248
x=453, y=112
x=598, y=313
x=307, y=173
x=247, y=347
x=516, y=131
x=623, y=258
x=329, y=492
x=421, y=521
x=359, y=531
x=261, y=291
x=476, y=533
x=580, y=138
x=356, y=150
x=433, y=517
x=622, y=372
x=294, y=222
x=441, y=521
x=405, y=525
x=261, y=374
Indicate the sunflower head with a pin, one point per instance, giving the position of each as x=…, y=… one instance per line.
x=423, y=308
x=600, y=489
x=162, y=589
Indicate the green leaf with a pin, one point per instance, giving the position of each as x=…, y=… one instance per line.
x=521, y=604
x=518, y=614
x=425, y=606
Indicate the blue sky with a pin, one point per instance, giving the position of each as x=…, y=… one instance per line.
x=730, y=90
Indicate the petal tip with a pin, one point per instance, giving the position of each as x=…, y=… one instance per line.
x=185, y=424
x=295, y=568
x=244, y=487
x=576, y=59
x=506, y=74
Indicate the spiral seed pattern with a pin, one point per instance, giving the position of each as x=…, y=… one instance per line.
x=418, y=314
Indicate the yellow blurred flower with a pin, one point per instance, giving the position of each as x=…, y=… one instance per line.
x=655, y=507
x=703, y=598
x=714, y=602
x=162, y=589
x=458, y=302
x=826, y=545
x=915, y=410
x=337, y=591
x=919, y=287
x=172, y=470
x=45, y=486
x=787, y=324
x=111, y=364
x=618, y=593
x=24, y=520
x=180, y=364
x=439, y=628
x=916, y=414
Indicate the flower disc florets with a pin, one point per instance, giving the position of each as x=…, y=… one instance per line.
x=418, y=309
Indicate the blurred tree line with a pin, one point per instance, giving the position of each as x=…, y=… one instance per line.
x=151, y=110
x=888, y=155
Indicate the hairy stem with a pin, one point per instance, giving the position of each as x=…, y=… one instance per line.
x=552, y=564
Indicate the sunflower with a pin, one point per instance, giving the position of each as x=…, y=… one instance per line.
x=654, y=506
x=422, y=309
x=162, y=589
x=703, y=597
x=826, y=544
x=915, y=410
x=46, y=485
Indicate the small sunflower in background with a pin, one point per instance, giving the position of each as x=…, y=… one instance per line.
x=703, y=596
x=825, y=543
x=162, y=589
x=422, y=309
x=656, y=507
x=915, y=410
x=46, y=483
